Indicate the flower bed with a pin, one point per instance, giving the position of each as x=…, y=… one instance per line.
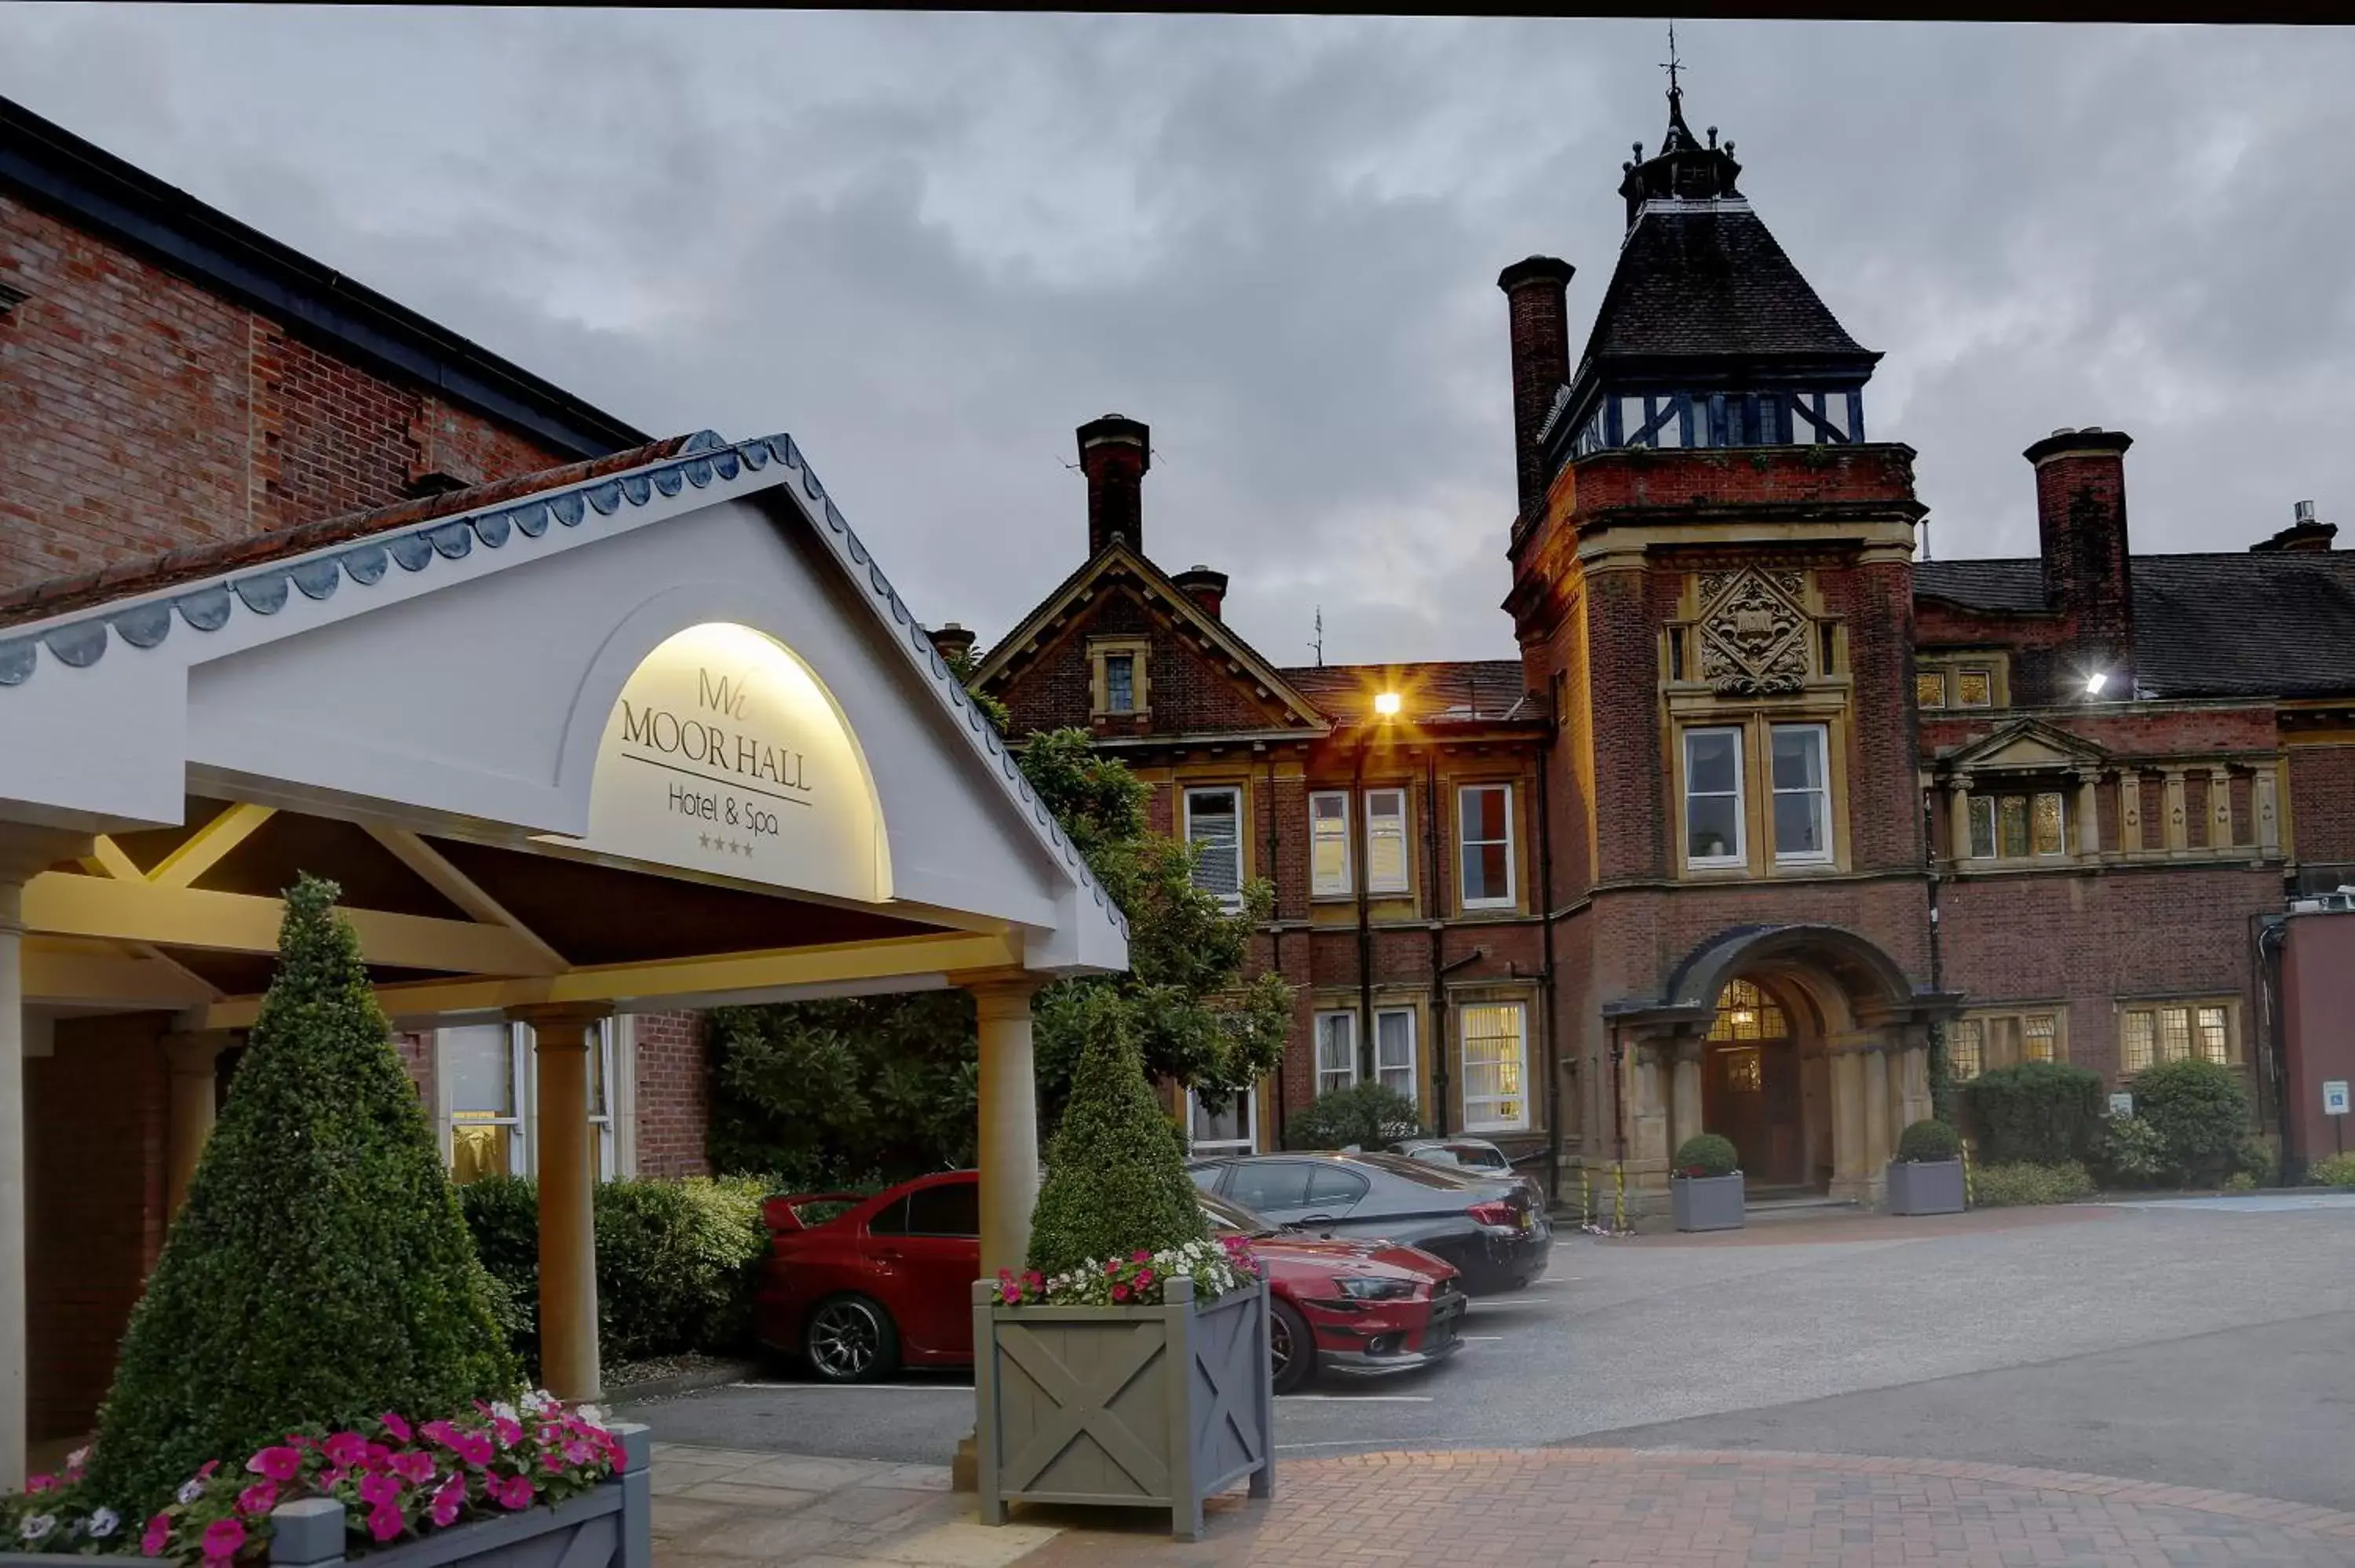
x=395, y=1480
x=1137, y=1280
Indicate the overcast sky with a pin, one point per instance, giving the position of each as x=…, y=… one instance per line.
x=928, y=246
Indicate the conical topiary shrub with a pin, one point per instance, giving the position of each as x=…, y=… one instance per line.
x=320, y=1271
x=1115, y=1181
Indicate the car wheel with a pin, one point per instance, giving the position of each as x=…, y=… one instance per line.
x=1291, y=1349
x=851, y=1339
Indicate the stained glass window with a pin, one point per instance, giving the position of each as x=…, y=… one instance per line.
x=2049, y=839
x=1973, y=689
x=1930, y=689
x=1746, y=1012
x=2012, y=818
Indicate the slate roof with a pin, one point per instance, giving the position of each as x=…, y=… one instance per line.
x=2210, y=625
x=145, y=574
x=1471, y=691
x=1707, y=279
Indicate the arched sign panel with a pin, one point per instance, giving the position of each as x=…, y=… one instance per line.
x=724, y=754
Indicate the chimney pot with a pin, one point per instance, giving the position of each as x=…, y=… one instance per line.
x=2305, y=533
x=2303, y=512
x=2081, y=519
x=1537, y=291
x=1204, y=587
x=1114, y=453
x=952, y=642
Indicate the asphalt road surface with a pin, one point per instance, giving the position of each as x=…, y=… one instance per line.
x=2207, y=1343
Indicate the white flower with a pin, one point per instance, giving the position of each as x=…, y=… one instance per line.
x=503, y=1410
x=592, y=1415
x=36, y=1526
x=102, y=1521
x=191, y=1490
x=79, y=1457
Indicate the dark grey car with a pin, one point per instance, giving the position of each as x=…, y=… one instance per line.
x=1492, y=1228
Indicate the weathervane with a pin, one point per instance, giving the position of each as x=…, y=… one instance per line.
x=1670, y=64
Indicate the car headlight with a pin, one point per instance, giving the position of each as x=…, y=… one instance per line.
x=1371, y=1287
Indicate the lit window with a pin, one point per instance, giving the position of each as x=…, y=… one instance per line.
x=1485, y=830
x=1120, y=682
x=1930, y=689
x=1714, y=797
x=1394, y=1050
x=2018, y=826
x=1744, y=1069
x=1386, y=841
x=2138, y=1042
x=2036, y=1035
x=1973, y=689
x=484, y=1066
x=1966, y=1048
x=1494, y=1062
x=1803, y=814
x=1329, y=843
x=1214, y=827
x=1336, y=1051
x=1746, y=1012
x=2214, y=1034
x=2174, y=1034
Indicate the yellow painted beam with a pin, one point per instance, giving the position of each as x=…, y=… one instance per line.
x=209, y=844
x=96, y=977
x=70, y=905
x=106, y=859
x=839, y=963
x=461, y=889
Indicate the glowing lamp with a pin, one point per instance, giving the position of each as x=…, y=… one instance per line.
x=1386, y=703
x=2095, y=682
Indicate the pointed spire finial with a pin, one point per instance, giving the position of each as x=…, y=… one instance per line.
x=1670, y=65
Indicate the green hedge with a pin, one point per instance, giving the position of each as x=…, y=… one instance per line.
x=676, y=1262
x=1368, y=1115
x=2024, y=1182
x=1929, y=1142
x=2201, y=1111
x=2037, y=1113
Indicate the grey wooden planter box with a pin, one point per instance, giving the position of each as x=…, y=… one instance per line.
x=1134, y=1406
x=1925, y=1187
x=1706, y=1202
x=611, y=1527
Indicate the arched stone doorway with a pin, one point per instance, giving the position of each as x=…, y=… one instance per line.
x=1806, y=1044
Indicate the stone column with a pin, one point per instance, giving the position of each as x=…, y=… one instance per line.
x=24, y=853
x=1958, y=809
x=2219, y=808
x=2130, y=812
x=1009, y=1120
x=1651, y=1118
x=562, y=1041
x=1880, y=1141
x=195, y=1062
x=2178, y=834
x=1685, y=1112
x=2268, y=818
x=1849, y=1179
x=2089, y=813
x=1914, y=1103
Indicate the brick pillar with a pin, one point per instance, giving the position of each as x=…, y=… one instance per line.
x=1537, y=292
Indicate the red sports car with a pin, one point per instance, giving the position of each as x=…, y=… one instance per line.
x=888, y=1281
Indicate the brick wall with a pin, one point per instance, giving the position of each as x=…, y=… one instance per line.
x=95, y=1121
x=2322, y=803
x=674, y=1095
x=138, y=413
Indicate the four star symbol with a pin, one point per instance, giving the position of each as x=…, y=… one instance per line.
x=725, y=846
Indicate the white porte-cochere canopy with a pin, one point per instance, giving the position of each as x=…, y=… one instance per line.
x=664, y=737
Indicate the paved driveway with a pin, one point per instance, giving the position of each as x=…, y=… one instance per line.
x=2199, y=1344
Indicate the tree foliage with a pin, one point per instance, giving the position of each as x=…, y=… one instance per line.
x=320, y=1271
x=1366, y=1114
x=881, y=1088
x=2040, y=1113
x=2199, y=1111
x=1117, y=1183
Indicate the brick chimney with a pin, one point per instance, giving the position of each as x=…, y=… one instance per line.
x=1114, y=453
x=2303, y=535
x=952, y=642
x=1204, y=587
x=1537, y=296
x=2081, y=520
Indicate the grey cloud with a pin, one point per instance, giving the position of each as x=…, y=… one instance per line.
x=931, y=245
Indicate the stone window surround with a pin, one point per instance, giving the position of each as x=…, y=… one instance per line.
x=1140, y=648
x=1757, y=720
x=2082, y=785
x=1944, y=663
x=2016, y=1012
x=2235, y=1053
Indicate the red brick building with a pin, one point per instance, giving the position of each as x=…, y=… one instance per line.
x=1767, y=804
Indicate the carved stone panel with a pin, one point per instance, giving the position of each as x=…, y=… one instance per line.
x=1753, y=635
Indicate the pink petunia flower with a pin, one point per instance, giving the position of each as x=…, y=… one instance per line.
x=394, y=1427
x=552, y=1462
x=343, y=1450
x=279, y=1463
x=577, y=1451
x=378, y=1490
x=448, y=1501
x=259, y=1498
x=413, y=1466
x=75, y=1461
x=1120, y=1292
x=440, y=1431
x=222, y=1538
x=1140, y=1256
x=1009, y=1293
x=158, y=1536
x=39, y=1484
x=1143, y=1278
x=205, y=1471
x=514, y=1492
x=385, y=1521
x=473, y=1448
x=509, y=1433
x=377, y=1457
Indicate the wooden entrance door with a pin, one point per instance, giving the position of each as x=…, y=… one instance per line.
x=1750, y=1087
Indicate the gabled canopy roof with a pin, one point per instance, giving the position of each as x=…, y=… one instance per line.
x=445, y=676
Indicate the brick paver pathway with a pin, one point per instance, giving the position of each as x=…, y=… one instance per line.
x=1594, y=1507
